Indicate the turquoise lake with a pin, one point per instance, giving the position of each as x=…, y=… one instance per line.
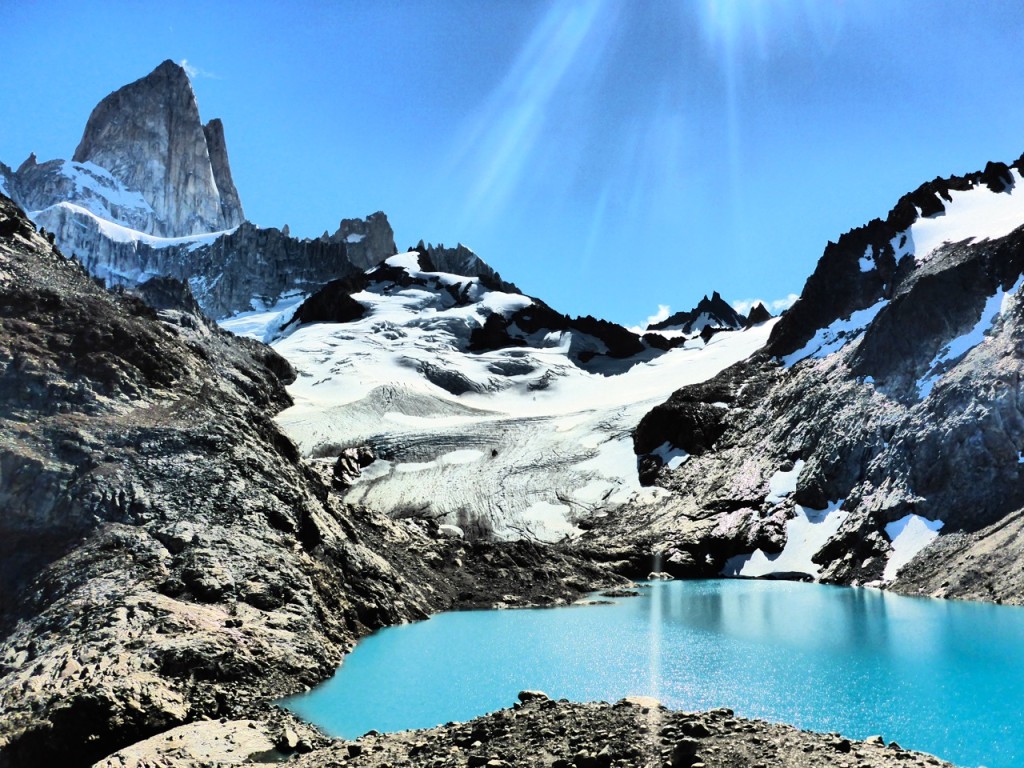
x=940, y=676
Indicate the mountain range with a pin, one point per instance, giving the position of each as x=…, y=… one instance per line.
x=227, y=453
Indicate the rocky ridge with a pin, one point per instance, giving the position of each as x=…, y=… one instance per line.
x=168, y=556
x=709, y=313
x=888, y=397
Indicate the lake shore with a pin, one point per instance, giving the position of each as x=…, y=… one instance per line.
x=538, y=731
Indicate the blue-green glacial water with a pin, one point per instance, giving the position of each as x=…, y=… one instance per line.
x=940, y=676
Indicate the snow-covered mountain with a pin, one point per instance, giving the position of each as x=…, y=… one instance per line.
x=149, y=192
x=884, y=418
x=486, y=408
x=145, y=162
x=861, y=429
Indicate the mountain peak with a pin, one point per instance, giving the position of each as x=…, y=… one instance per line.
x=148, y=135
x=714, y=312
x=169, y=68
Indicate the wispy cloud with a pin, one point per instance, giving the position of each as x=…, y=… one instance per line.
x=664, y=310
x=744, y=306
x=193, y=71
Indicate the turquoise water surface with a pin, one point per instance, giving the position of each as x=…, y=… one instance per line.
x=940, y=676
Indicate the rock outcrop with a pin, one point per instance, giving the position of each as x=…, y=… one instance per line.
x=367, y=241
x=887, y=400
x=758, y=314
x=255, y=266
x=166, y=555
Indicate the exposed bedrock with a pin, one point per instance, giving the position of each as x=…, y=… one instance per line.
x=149, y=136
x=150, y=192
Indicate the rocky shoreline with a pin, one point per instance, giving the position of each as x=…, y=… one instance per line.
x=637, y=732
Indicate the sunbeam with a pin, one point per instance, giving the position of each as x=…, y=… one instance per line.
x=496, y=148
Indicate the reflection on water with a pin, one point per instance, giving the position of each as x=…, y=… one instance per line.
x=940, y=676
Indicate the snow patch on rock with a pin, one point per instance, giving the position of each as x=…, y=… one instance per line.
x=783, y=484
x=837, y=335
x=806, y=534
x=867, y=261
x=908, y=535
x=263, y=322
x=670, y=456
x=973, y=215
x=996, y=304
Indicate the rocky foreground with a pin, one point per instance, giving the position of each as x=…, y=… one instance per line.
x=636, y=732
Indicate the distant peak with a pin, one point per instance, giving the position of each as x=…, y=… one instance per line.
x=30, y=162
x=709, y=312
x=148, y=135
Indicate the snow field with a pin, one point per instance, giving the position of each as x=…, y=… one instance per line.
x=518, y=439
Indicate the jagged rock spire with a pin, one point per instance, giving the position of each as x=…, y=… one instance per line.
x=148, y=135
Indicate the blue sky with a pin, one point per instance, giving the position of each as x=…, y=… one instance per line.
x=608, y=157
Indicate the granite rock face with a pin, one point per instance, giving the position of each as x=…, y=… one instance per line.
x=230, y=202
x=890, y=395
x=148, y=135
x=255, y=266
